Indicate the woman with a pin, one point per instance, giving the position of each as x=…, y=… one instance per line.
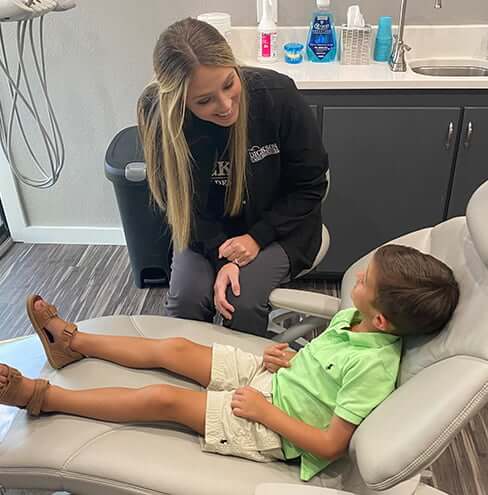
x=235, y=160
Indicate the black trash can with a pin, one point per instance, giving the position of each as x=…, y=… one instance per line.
x=146, y=231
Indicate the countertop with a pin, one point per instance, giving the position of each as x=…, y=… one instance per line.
x=427, y=42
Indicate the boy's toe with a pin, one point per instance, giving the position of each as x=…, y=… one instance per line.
x=40, y=305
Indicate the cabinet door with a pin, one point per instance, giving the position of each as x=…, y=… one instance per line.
x=390, y=170
x=472, y=161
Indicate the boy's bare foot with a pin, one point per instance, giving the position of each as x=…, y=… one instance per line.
x=24, y=389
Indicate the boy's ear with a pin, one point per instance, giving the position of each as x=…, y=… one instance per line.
x=381, y=323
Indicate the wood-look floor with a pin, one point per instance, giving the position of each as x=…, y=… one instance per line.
x=91, y=281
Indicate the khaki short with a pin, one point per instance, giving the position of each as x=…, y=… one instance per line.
x=228, y=434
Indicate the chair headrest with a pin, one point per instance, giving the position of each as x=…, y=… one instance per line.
x=476, y=219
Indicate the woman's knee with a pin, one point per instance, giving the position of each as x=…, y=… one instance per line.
x=190, y=300
x=250, y=315
x=190, y=292
x=247, y=304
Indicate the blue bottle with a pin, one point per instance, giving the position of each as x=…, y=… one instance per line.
x=321, y=41
x=384, y=40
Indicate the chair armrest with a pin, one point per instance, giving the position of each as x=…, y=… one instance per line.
x=413, y=426
x=306, y=302
x=307, y=325
x=292, y=489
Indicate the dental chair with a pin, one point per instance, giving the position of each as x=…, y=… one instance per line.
x=443, y=384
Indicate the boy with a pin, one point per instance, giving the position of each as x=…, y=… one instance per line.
x=284, y=405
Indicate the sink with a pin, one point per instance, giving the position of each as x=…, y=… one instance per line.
x=451, y=68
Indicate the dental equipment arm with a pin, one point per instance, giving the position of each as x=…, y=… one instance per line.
x=24, y=12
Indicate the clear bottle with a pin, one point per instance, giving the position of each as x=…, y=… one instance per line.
x=267, y=35
x=322, y=41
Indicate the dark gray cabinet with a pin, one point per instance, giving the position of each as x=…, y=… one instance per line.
x=472, y=159
x=400, y=160
x=390, y=172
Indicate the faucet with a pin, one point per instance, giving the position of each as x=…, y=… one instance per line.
x=397, y=59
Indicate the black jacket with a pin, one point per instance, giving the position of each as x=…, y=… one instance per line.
x=286, y=174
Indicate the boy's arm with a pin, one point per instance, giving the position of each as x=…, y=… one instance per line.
x=328, y=444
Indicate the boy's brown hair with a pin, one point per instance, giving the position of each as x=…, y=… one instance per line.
x=416, y=292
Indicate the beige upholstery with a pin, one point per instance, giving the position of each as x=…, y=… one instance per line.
x=444, y=379
x=444, y=382
x=82, y=456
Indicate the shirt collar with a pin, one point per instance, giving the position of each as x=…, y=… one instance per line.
x=362, y=339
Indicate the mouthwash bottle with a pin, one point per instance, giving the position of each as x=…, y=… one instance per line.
x=321, y=41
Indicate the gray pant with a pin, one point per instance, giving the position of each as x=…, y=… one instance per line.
x=191, y=294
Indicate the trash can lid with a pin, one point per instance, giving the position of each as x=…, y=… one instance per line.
x=124, y=159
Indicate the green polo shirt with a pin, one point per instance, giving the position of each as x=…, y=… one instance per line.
x=340, y=373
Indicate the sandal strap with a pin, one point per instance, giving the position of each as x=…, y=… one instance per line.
x=9, y=391
x=70, y=329
x=35, y=402
x=46, y=314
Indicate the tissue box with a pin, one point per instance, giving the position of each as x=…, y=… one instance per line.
x=355, y=45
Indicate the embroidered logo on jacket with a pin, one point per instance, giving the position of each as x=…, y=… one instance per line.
x=258, y=153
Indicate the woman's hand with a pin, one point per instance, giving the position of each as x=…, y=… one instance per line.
x=248, y=403
x=241, y=250
x=276, y=356
x=227, y=275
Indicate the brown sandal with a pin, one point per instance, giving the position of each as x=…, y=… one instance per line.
x=9, y=392
x=58, y=351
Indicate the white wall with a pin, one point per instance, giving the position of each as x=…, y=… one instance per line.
x=99, y=59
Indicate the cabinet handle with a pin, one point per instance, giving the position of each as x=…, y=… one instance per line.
x=469, y=135
x=450, y=135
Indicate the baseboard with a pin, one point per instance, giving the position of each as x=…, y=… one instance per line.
x=71, y=235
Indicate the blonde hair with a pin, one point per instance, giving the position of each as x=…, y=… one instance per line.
x=161, y=117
